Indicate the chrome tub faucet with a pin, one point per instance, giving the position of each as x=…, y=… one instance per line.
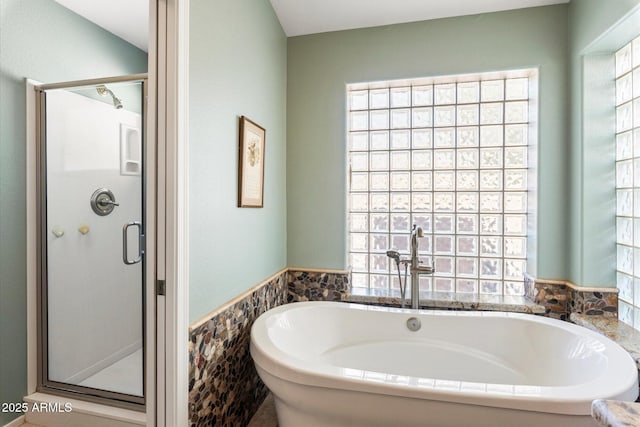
x=415, y=267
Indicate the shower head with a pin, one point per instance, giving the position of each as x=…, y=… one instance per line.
x=394, y=255
x=104, y=91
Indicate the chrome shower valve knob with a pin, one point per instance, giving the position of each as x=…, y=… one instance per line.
x=103, y=202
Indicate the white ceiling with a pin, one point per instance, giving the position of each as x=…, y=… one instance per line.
x=300, y=17
x=129, y=19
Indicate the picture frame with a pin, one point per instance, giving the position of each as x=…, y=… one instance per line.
x=251, y=164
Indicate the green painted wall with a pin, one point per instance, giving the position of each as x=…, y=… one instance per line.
x=597, y=29
x=590, y=19
x=238, y=56
x=41, y=40
x=319, y=67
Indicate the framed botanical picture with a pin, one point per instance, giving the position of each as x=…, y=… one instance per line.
x=251, y=164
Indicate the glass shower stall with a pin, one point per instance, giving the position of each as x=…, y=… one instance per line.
x=91, y=210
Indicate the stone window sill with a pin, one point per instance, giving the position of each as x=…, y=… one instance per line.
x=448, y=301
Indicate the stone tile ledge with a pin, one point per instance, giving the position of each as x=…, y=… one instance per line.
x=561, y=297
x=448, y=300
x=618, y=331
x=613, y=413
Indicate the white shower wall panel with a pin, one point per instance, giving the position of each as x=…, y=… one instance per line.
x=94, y=299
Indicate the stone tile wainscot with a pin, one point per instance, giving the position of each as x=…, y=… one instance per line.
x=224, y=387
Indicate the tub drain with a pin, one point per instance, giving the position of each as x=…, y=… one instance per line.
x=413, y=324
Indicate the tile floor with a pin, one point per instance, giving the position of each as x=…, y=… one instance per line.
x=266, y=415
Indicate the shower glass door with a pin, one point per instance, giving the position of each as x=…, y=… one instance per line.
x=92, y=234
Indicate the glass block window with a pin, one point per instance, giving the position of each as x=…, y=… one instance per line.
x=450, y=155
x=627, y=63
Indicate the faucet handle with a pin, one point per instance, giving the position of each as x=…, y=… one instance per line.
x=423, y=269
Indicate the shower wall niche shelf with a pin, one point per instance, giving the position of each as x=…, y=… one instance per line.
x=130, y=150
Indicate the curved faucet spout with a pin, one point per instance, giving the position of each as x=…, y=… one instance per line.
x=416, y=232
x=416, y=268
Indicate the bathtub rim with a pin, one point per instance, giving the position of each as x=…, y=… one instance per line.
x=569, y=400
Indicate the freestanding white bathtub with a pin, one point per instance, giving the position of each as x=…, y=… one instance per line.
x=337, y=364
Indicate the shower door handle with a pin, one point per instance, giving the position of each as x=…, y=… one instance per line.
x=125, y=241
